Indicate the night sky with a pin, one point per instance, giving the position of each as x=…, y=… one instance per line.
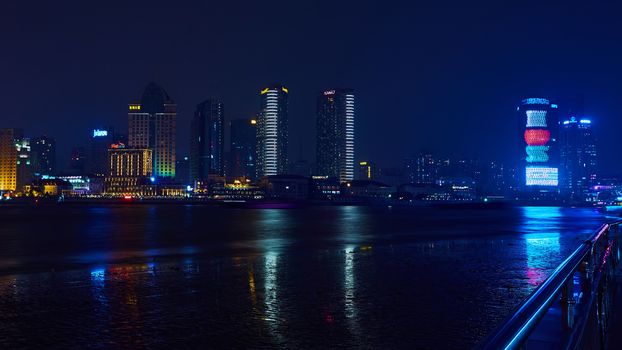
x=440, y=76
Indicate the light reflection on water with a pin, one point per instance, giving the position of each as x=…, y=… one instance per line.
x=542, y=232
x=346, y=277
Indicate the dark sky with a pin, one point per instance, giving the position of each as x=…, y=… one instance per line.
x=432, y=75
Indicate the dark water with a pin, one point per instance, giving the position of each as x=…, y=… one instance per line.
x=322, y=277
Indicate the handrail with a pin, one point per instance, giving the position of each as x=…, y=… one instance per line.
x=515, y=330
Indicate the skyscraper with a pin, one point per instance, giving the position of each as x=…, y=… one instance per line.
x=272, y=131
x=25, y=165
x=207, y=140
x=8, y=160
x=335, y=134
x=44, y=155
x=152, y=123
x=243, y=148
x=578, y=157
x=538, y=126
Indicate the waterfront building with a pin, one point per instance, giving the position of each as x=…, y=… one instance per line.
x=152, y=123
x=8, y=161
x=207, y=140
x=366, y=190
x=272, y=133
x=130, y=172
x=25, y=166
x=578, y=157
x=43, y=150
x=243, y=156
x=335, y=134
x=539, y=126
x=286, y=187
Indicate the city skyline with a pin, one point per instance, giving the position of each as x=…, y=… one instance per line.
x=418, y=71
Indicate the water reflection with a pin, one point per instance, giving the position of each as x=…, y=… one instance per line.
x=271, y=295
x=542, y=233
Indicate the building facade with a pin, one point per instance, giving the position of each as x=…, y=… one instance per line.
x=335, y=134
x=152, y=125
x=272, y=132
x=25, y=165
x=130, y=172
x=8, y=161
x=578, y=157
x=539, y=125
x=207, y=140
x=243, y=156
x=44, y=155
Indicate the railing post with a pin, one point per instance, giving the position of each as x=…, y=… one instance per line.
x=568, y=303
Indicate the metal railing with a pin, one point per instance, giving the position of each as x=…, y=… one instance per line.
x=585, y=308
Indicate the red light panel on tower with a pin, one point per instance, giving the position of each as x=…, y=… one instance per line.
x=537, y=137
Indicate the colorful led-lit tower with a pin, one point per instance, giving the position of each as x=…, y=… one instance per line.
x=152, y=123
x=539, y=125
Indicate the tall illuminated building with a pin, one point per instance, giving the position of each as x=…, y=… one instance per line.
x=426, y=169
x=207, y=140
x=25, y=165
x=335, y=134
x=243, y=156
x=539, y=126
x=272, y=133
x=8, y=160
x=578, y=157
x=152, y=123
x=44, y=155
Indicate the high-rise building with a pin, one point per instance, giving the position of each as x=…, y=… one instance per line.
x=25, y=165
x=578, y=157
x=8, y=160
x=538, y=125
x=243, y=148
x=207, y=140
x=426, y=171
x=130, y=171
x=335, y=134
x=152, y=123
x=272, y=131
x=44, y=155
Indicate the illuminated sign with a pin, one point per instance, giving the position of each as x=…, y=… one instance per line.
x=535, y=101
x=264, y=91
x=135, y=107
x=285, y=90
x=585, y=121
x=536, y=119
x=100, y=133
x=253, y=121
x=541, y=176
x=329, y=92
x=363, y=163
